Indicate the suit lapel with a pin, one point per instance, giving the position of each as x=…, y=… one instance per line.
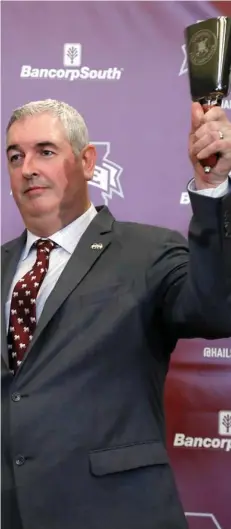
x=10, y=257
x=92, y=245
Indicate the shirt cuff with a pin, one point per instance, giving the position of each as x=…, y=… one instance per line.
x=214, y=192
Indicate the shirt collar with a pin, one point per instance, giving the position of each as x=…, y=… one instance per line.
x=68, y=237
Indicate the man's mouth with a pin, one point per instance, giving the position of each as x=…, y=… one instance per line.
x=34, y=189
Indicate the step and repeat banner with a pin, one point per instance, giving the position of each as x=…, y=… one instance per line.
x=123, y=66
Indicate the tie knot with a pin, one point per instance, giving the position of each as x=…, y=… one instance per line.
x=45, y=245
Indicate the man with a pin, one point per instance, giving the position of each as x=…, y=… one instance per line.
x=93, y=310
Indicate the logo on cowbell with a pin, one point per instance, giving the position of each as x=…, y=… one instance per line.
x=184, y=66
x=202, y=47
x=107, y=173
x=73, y=68
x=200, y=51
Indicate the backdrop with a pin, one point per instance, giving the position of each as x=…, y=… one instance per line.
x=123, y=66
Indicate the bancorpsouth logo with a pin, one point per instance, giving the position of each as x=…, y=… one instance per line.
x=223, y=442
x=107, y=173
x=202, y=48
x=73, y=68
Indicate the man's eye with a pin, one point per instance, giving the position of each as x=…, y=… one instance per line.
x=46, y=152
x=14, y=157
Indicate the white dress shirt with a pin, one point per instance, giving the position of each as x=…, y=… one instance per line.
x=67, y=239
x=213, y=192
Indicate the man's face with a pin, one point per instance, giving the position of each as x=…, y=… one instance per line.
x=46, y=177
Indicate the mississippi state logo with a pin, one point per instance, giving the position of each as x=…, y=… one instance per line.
x=202, y=47
x=107, y=173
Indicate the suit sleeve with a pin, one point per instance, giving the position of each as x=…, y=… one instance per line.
x=195, y=289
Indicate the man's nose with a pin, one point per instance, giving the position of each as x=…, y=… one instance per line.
x=29, y=168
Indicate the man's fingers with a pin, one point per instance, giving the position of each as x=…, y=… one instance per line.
x=202, y=143
x=197, y=116
x=220, y=146
x=215, y=114
x=211, y=129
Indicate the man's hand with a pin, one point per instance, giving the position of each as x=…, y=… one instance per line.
x=205, y=139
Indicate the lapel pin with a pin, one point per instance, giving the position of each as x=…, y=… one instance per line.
x=97, y=246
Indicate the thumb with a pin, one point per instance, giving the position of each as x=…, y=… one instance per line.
x=197, y=116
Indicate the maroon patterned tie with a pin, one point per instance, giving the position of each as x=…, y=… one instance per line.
x=22, y=321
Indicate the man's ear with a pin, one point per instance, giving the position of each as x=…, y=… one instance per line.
x=89, y=156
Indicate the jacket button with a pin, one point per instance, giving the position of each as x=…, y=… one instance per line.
x=20, y=460
x=16, y=397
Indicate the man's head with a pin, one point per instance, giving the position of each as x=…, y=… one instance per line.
x=50, y=162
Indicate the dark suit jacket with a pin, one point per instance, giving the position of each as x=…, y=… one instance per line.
x=83, y=420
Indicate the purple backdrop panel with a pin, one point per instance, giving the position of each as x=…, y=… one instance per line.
x=123, y=66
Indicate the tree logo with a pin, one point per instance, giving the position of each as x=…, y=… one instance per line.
x=72, y=54
x=225, y=423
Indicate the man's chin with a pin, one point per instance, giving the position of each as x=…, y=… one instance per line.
x=37, y=207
